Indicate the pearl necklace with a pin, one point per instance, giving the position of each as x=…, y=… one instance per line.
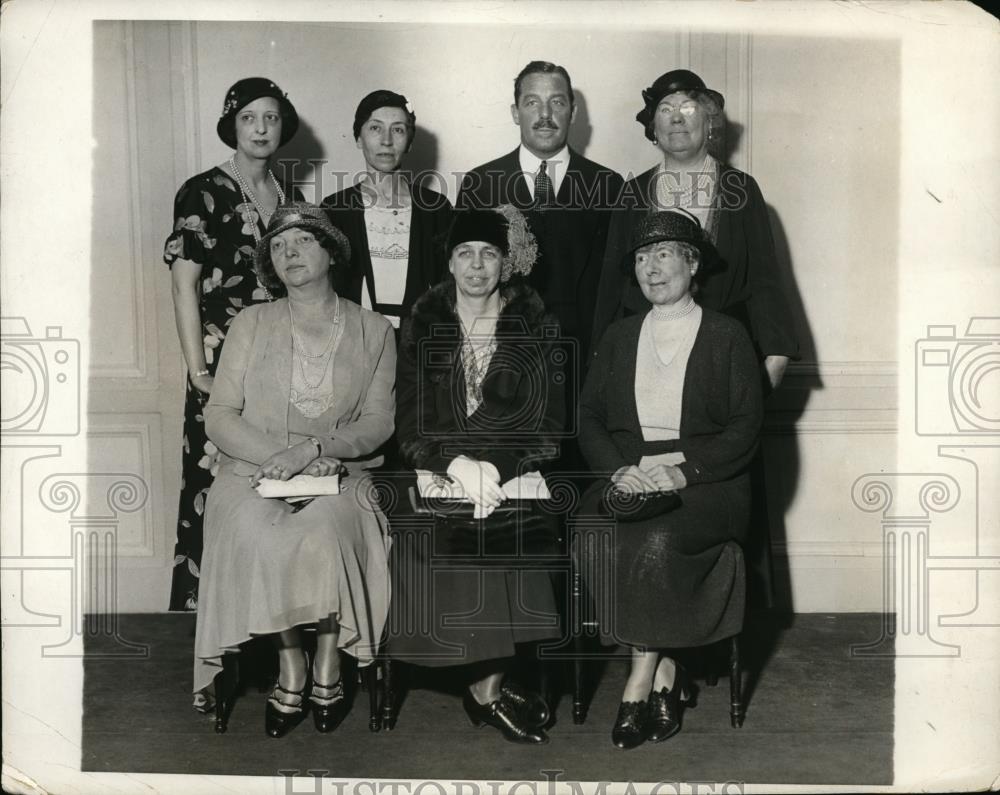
x=672, y=312
x=673, y=190
x=324, y=355
x=674, y=346
x=250, y=198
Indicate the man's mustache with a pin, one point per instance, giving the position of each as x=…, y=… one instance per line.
x=543, y=124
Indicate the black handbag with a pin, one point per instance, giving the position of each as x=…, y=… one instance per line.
x=626, y=506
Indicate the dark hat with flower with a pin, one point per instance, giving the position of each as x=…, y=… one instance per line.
x=300, y=215
x=382, y=98
x=674, y=225
x=241, y=94
x=676, y=80
x=504, y=227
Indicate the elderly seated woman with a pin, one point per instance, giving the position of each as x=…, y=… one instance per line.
x=481, y=403
x=672, y=403
x=305, y=387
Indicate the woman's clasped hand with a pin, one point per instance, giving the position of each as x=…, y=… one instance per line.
x=660, y=477
x=284, y=464
x=299, y=459
x=480, y=480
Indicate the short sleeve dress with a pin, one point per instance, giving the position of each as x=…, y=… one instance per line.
x=215, y=228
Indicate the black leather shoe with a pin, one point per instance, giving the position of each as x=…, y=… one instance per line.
x=278, y=723
x=330, y=711
x=630, y=726
x=530, y=706
x=502, y=715
x=666, y=707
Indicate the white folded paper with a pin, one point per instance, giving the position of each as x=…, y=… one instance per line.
x=299, y=486
x=530, y=486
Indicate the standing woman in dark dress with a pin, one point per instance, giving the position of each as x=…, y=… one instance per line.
x=396, y=227
x=684, y=120
x=219, y=217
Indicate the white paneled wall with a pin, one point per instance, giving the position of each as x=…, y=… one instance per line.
x=823, y=145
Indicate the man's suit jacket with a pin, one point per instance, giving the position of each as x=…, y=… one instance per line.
x=571, y=236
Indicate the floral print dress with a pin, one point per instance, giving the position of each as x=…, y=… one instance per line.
x=213, y=227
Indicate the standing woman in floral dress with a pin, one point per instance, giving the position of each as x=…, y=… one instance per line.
x=219, y=217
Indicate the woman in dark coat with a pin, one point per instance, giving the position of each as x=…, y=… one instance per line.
x=684, y=120
x=480, y=402
x=671, y=403
x=395, y=226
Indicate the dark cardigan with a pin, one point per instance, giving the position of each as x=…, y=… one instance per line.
x=739, y=275
x=721, y=408
x=430, y=219
x=521, y=418
x=677, y=579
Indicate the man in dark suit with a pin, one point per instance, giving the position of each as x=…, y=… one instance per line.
x=567, y=199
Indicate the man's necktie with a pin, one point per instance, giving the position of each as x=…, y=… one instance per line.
x=543, y=187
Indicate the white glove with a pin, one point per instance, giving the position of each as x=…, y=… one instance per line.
x=481, y=483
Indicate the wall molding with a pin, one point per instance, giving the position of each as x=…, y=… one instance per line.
x=189, y=67
x=144, y=544
x=850, y=369
x=829, y=549
x=738, y=94
x=775, y=425
x=138, y=367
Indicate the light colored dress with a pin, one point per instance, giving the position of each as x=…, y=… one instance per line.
x=389, y=248
x=665, y=343
x=265, y=567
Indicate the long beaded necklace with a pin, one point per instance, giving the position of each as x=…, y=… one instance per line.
x=678, y=188
x=311, y=398
x=250, y=198
x=476, y=362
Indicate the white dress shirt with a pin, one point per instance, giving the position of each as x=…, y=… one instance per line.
x=555, y=167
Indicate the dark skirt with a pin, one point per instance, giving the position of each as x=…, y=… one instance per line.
x=467, y=591
x=672, y=581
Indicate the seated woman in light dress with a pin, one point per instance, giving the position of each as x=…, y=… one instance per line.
x=305, y=386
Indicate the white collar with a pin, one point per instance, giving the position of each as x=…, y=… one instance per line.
x=555, y=167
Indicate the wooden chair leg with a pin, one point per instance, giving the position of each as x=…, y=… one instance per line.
x=543, y=680
x=388, y=696
x=736, y=709
x=576, y=628
x=226, y=683
x=371, y=683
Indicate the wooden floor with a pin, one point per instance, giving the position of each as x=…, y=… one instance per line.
x=815, y=715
